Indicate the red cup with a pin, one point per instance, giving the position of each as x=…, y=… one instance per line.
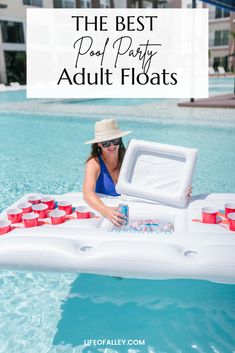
x=26, y=207
x=83, y=212
x=231, y=219
x=34, y=199
x=30, y=220
x=65, y=206
x=57, y=216
x=209, y=215
x=229, y=208
x=14, y=215
x=5, y=227
x=41, y=209
x=49, y=201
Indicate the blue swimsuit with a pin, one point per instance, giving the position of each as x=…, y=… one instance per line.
x=105, y=184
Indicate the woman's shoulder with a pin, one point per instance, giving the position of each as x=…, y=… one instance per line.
x=92, y=173
x=93, y=163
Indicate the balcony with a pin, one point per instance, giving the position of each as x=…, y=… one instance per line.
x=218, y=42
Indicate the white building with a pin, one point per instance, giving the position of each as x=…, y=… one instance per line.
x=13, y=32
x=13, y=38
x=221, y=43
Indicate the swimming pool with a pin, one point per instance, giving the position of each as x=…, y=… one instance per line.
x=57, y=312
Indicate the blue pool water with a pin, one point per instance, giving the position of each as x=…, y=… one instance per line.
x=12, y=96
x=53, y=313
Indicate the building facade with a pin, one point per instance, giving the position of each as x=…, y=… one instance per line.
x=221, y=41
x=13, y=38
x=13, y=30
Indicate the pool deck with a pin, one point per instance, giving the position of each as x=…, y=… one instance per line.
x=218, y=101
x=12, y=88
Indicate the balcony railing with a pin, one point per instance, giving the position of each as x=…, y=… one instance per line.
x=218, y=42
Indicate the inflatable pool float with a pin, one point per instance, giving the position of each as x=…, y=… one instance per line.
x=166, y=237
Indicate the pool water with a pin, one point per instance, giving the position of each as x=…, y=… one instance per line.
x=46, y=312
x=222, y=85
x=12, y=96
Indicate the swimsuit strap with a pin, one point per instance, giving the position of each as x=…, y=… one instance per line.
x=105, y=184
x=103, y=167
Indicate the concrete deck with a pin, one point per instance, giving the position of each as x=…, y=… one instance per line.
x=220, y=101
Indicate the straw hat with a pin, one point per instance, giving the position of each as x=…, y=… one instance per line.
x=107, y=129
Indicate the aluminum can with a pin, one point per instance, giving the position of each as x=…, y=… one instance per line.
x=124, y=209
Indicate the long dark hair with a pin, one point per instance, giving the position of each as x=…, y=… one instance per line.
x=96, y=151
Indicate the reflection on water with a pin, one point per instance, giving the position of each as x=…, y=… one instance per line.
x=171, y=316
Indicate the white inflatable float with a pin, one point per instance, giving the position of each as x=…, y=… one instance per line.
x=162, y=241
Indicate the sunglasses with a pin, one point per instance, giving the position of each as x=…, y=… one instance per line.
x=115, y=142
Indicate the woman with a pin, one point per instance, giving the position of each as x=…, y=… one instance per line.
x=103, y=167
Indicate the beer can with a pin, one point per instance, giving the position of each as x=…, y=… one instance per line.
x=124, y=209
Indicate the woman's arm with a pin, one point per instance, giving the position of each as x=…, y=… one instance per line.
x=91, y=175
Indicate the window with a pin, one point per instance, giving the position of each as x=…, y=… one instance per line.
x=85, y=3
x=221, y=13
x=218, y=12
x=37, y=3
x=64, y=3
x=105, y=3
x=15, y=66
x=226, y=13
x=221, y=37
x=217, y=37
x=147, y=4
x=12, y=32
x=220, y=61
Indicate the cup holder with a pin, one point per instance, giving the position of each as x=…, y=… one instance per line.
x=85, y=249
x=190, y=254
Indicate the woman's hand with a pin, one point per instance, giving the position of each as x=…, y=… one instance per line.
x=114, y=216
x=189, y=192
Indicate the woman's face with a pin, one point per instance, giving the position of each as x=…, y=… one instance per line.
x=110, y=148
